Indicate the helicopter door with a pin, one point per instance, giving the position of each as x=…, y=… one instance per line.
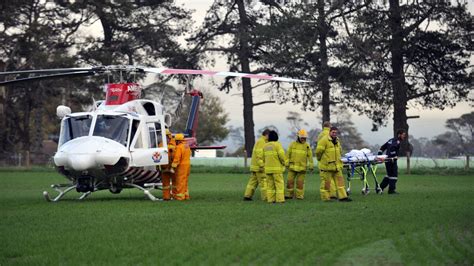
x=149, y=147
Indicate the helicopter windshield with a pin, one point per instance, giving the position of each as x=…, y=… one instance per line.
x=75, y=127
x=112, y=127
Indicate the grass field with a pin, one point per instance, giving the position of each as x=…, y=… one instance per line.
x=430, y=222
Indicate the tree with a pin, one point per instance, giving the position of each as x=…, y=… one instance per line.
x=236, y=135
x=417, y=53
x=34, y=35
x=302, y=41
x=229, y=28
x=143, y=32
x=460, y=137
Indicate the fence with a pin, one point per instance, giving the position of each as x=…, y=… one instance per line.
x=415, y=162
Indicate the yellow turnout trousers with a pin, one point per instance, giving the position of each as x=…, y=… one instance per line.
x=332, y=189
x=290, y=184
x=256, y=179
x=275, y=188
x=325, y=188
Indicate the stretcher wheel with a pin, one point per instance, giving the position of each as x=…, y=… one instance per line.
x=365, y=191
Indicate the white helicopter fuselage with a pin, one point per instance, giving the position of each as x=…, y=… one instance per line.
x=113, y=144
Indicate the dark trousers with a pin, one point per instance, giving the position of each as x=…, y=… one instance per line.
x=392, y=177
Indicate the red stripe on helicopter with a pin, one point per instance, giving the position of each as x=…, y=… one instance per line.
x=258, y=76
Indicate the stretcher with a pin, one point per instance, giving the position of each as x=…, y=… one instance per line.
x=358, y=163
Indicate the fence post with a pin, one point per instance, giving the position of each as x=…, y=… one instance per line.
x=408, y=163
x=467, y=162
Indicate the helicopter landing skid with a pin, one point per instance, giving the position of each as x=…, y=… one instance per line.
x=146, y=189
x=62, y=192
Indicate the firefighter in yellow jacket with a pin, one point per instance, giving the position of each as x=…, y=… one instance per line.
x=168, y=177
x=328, y=153
x=257, y=173
x=300, y=158
x=325, y=132
x=274, y=160
x=182, y=167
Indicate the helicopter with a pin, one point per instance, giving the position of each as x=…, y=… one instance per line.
x=121, y=142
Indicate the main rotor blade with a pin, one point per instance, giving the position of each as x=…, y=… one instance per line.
x=172, y=71
x=56, y=70
x=77, y=73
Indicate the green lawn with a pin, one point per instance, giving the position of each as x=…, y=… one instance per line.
x=430, y=222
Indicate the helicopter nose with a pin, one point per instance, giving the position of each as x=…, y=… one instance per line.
x=89, y=153
x=81, y=162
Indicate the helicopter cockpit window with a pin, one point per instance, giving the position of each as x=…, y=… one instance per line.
x=75, y=127
x=154, y=130
x=112, y=127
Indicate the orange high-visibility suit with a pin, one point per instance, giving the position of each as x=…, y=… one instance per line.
x=167, y=177
x=182, y=165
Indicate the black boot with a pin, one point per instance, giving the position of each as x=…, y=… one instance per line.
x=392, y=185
x=384, y=183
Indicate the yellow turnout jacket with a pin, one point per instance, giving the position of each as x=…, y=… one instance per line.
x=300, y=156
x=257, y=155
x=329, y=154
x=274, y=158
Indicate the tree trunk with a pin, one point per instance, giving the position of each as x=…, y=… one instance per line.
x=38, y=121
x=25, y=138
x=324, y=69
x=108, y=35
x=246, y=86
x=399, y=87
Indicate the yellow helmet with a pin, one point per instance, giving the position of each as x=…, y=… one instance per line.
x=179, y=137
x=168, y=132
x=302, y=133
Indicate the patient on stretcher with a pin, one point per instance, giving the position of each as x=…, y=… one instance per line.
x=362, y=155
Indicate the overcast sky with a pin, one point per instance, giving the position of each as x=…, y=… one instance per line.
x=430, y=123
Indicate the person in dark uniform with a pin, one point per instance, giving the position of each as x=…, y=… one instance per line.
x=392, y=148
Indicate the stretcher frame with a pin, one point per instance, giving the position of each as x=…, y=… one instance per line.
x=362, y=168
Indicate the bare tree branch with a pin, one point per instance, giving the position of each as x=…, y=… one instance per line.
x=263, y=102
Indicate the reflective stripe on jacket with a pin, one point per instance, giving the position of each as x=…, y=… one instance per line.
x=329, y=154
x=257, y=155
x=300, y=156
x=274, y=157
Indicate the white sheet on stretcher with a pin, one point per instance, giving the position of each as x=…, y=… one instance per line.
x=363, y=155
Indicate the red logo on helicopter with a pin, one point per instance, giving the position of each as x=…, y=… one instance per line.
x=156, y=157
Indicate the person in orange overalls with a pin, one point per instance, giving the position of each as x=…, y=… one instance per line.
x=167, y=176
x=182, y=167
